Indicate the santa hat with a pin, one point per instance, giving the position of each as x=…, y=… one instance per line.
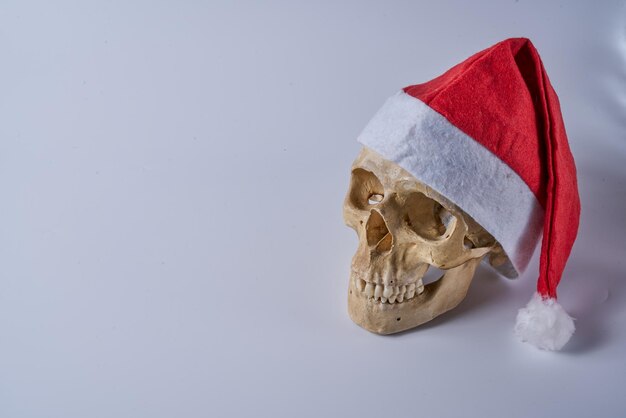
x=488, y=135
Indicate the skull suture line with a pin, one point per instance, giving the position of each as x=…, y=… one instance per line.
x=404, y=227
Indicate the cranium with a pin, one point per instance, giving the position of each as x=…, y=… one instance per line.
x=404, y=228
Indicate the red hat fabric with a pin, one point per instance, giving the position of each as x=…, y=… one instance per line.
x=488, y=134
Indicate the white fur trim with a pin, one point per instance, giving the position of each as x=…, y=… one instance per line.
x=544, y=324
x=423, y=142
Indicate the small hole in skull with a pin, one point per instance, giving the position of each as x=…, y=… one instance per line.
x=375, y=198
x=397, y=319
x=445, y=216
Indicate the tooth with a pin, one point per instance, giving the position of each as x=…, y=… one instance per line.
x=360, y=284
x=410, y=291
x=383, y=299
x=401, y=291
x=392, y=299
x=420, y=287
x=369, y=290
x=378, y=292
x=388, y=291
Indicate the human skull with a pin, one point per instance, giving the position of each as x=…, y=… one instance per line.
x=405, y=227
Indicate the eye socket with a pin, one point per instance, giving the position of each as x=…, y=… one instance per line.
x=365, y=189
x=427, y=217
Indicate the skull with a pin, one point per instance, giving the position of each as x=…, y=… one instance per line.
x=404, y=228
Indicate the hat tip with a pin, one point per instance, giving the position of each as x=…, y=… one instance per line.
x=544, y=324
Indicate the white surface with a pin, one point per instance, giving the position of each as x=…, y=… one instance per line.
x=171, y=239
x=461, y=169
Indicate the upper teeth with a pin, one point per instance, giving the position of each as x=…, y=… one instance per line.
x=387, y=293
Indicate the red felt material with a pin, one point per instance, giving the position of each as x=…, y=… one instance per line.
x=502, y=98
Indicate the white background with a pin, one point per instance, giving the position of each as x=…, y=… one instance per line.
x=171, y=236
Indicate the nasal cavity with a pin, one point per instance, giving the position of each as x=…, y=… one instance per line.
x=377, y=233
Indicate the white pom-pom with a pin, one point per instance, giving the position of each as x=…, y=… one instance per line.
x=544, y=324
